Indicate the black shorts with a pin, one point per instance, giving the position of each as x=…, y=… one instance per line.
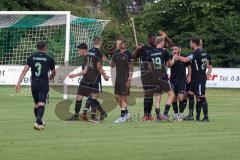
x=179, y=88
x=147, y=83
x=121, y=90
x=85, y=88
x=161, y=86
x=40, y=96
x=198, y=87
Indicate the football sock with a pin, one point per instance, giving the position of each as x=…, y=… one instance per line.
x=167, y=107
x=35, y=112
x=175, y=107
x=93, y=114
x=87, y=105
x=78, y=105
x=198, y=108
x=99, y=107
x=181, y=106
x=148, y=102
x=191, y=104
x=126, y=110
x=184, y=104
x=40, y=113
x=122, y=112
x=157, y=112
x=204, y=105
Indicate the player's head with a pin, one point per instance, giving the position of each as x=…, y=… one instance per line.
x=97, y=41
x=41, y=46
x=176, y=49
x=195, y=43
x=151, y=38
x=159, y=42
x=123, y=44
x=82, y=49
x=118, y=42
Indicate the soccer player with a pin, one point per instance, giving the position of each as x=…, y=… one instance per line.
x=40, y=64
x=97, y=43
x=178, y=79
x=201, y=61
x=142, y=52
x=158, y=61
x=122, y=60
x=89, y=84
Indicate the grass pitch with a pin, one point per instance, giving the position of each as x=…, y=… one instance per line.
x=63, y=140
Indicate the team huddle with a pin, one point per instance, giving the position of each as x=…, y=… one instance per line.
x=187, y=79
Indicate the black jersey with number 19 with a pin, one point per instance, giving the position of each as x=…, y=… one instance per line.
x=40, y=64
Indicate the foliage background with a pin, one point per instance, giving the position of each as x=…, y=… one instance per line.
x=216, y=22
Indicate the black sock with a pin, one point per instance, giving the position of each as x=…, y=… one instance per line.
x=94, y=109
x=78, y=105
x=123, y=112
x=40, y=113
x=167, y=107
x=184, y=104
x=157, y=112
x=191, y=104
x=181, y=106
x=87, y=105
x=198, y=108
x=99, y=107
x=175, y=107
x=126, y=110
x=148, y=102
x=204, y=105
x=35, y=112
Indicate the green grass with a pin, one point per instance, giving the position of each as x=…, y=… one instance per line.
x=62, y=140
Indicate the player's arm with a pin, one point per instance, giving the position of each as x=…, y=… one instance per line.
x=84, y=71
x=183, y=59
x=22, y=75
x=53, y=70
x=102, y=72
x=104, y=59
x=130, y=74
x=209, y=69
x=169, y=42
x=136, y=52
x=189, y=75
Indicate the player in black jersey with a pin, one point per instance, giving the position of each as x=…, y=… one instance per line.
x=142, y=52
x=179, y=79
x=201, y=61
x=40, y=64
x=158, y=61
x=122, y=60
x=89, y=85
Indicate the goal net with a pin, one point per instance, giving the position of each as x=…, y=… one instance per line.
x=20, y=31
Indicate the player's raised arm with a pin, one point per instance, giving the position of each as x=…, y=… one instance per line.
x=184, y=59
x=136, y=51
x=22, y=75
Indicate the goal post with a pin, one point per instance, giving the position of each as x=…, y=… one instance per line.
x=21, y=30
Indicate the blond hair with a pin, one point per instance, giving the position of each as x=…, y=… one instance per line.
x=160, y=40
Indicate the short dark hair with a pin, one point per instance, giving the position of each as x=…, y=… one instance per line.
x=41, y=45
x=96, y=40
x=176, y=45
x=82, y=46
x=151, y=34
x=196, y=40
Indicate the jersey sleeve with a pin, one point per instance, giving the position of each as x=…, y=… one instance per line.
x=29, y=61
x=130, y=57
x=52, y=64
x=191, y=57
x=167, y=56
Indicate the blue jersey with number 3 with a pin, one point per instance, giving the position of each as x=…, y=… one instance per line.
x=40, y=64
